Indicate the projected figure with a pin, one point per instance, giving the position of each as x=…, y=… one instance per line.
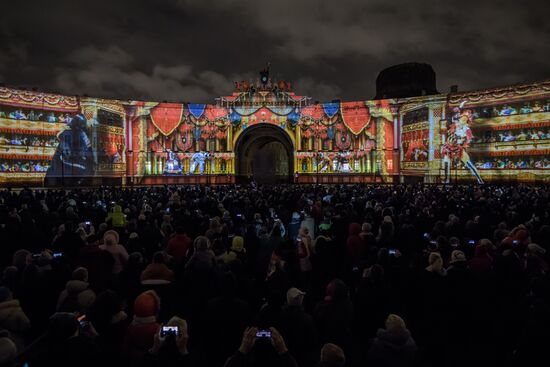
x=323, y=162
x=198, y=159
x=173, y=165
x=458, y=140
x=73, y=156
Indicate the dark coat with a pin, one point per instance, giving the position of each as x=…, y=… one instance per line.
x=392, y=349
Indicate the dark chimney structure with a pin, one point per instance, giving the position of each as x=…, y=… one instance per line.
x=406, y=80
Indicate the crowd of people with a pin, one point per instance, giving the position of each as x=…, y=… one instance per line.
x=287, y=275
x=24, y=166
x=28, y=140
x=32, y=115
x=511, y=135
x=539, y=162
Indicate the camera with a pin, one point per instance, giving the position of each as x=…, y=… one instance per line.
x=263, y=334
x=167, y=330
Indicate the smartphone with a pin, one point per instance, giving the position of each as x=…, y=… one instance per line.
x=57, y=254
x=88, y=223
x=426, y=235
x=83, y=322
x=36, y=256
x=239, y=215
x=166, y=330
x=392, y=252
x=472, y=242
x=167, y=210
x=515, y=242
x=263, y=334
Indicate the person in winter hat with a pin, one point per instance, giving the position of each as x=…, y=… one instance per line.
x=393, y=345
x=237, y=250
x=12, y=318
x=482, y=262
x=140, y=333
x=435, y=263
x=332, y=356
x=77, y=296
x=119, y=253
x=8, y=349
x=157, y=270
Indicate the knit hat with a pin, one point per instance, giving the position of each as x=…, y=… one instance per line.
x=332, y=355
x=80, y=273
x=395, y=323
x=434, y=257
x=201, y=243
x=294, y=296
x=63, y=325
x=147, y=304
x=521, y=234
x=113, y=234
x=457, y=256
x=8, y=350
x=237, y=244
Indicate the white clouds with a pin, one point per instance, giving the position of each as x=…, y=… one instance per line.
x=110, y=72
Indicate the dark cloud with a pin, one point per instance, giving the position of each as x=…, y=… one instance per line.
x=192, y=50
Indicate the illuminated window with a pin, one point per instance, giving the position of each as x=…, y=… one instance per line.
x=390, y=164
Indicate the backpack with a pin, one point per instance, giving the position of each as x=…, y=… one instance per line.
x=70, y=303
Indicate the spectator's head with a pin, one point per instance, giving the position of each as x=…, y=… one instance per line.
x=366, y=227
x=395, y=324
x=147, y=304
x=237, y=244
x=295, y=297
x=8, y=349
x=374, y=274
x=110, y=238
x=354, y=229
x=521, y=234
x=336, y=290
x=63, y=325
x=201, y=243
x=457, y=257
x=5, y=294
x=81, y=274
x=21, y=258
x=332, y=356
x=435, y=262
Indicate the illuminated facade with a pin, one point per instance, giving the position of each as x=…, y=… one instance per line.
x=263, y=129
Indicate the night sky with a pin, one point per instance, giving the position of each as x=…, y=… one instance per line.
x=193, y=50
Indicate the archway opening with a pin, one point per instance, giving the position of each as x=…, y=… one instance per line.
x=264, y=153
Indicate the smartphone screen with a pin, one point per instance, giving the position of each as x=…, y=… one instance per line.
x=263, y=334
x=166, y=330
